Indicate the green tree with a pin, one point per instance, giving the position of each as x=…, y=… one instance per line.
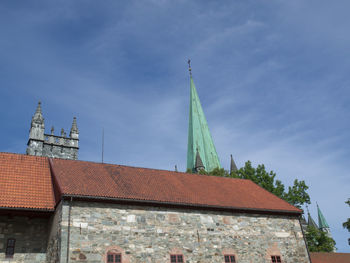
x=318, y=241
x=296, y=194
x=347, y=223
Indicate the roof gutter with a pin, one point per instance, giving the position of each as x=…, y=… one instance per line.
x=22, y=211
x=183, y=205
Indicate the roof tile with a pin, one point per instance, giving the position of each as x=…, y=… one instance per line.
x=132, y=183
x=25, y=182
x=324, y=257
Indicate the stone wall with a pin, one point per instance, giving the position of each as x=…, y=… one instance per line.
x=54, y=240
x=144, y=234
x=59, y=151
x=31, y=238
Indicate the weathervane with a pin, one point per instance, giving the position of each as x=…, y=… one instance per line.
x=189, y=67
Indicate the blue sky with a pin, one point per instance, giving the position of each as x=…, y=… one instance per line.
x=272, y=76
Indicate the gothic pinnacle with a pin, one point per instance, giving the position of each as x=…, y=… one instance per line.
x=233, y=166
x=74, y=128
x=38, y=116
x=198, y=164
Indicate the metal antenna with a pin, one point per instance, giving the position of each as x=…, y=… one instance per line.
x=307, y=209
x=103, y=142
x=189, y=67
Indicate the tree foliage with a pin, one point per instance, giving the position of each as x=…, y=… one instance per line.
x=318, y=241
x=296, y=195
x=346, y=224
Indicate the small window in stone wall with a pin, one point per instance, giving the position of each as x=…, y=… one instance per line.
x=114, y=258
x=230, y=259
x=176, y=258
x=10, y=248
x=276, y=259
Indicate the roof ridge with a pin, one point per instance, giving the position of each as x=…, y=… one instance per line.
x=23, y=154
x=151, y=169
x=122, y=165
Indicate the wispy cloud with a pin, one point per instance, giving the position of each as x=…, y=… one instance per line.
x=272, y=78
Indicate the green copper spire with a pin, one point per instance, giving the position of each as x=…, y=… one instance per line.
x=321, y=220
x=199, y=138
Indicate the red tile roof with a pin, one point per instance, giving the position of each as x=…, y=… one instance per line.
x=82, y=178
x=25, y=182
x=323, y=257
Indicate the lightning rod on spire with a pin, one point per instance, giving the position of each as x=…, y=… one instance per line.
x=189, y=67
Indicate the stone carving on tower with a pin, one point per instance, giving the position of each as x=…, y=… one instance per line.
x=51, y=145
x=200, y=142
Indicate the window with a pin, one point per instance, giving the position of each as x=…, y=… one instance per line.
x=10, y=248
x=176, y=258
x=230, y=259
x=276, y=259
x=114, y=258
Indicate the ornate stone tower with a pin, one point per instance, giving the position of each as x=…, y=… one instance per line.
x=36, y=133
x=50, y=145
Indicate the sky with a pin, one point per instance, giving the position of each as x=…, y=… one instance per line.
x=272, y=76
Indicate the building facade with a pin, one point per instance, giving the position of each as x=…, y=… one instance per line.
x=153, y=234
x=77, y=211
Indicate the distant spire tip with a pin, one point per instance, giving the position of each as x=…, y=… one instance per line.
x=189, y=67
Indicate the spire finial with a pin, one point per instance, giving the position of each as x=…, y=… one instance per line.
x=189, y=67
x=38, y=116
x=38, y=108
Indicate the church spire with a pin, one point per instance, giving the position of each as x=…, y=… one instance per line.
x=199, y=136
x=233, y=166
x=310, y=221
x=322, y=223
x=321, y=220
x=198, y=164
